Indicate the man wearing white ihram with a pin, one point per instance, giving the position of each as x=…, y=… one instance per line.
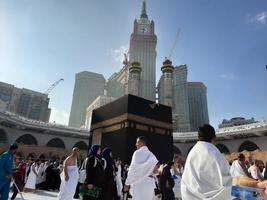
x=30, y=185
x=206, y=174
x=69, y=176
x=140, y=179
x=238, y=167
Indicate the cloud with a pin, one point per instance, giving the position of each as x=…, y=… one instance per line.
x=117, y=54
x=260, y=18
x=228, y=76
x=59, y=116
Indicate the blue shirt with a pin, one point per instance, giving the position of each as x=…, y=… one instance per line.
x=6, y=164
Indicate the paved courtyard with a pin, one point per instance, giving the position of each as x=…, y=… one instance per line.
x=39, y=195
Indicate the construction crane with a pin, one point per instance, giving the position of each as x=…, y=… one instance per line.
x=53, y=86
x=174, y=43
x=126, y=64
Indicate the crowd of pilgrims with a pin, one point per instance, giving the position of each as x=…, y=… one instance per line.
x=100, y=170
x=101, y=177
x=110, y=174
x=206, y=174
x=243, y=168
x=31, y=175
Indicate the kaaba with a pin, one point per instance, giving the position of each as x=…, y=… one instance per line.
x=118, y=124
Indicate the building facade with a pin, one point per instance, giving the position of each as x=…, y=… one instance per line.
x=24, y=102
x=115, y=85
x=181, y=104
x=88, y=86
x=198, y=108
x=98, y=102
x=249, y=137
x=187, y=99
x=36, y=139
x=143, y=50
x=236, y=121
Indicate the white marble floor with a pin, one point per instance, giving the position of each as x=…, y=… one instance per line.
x=39, y=195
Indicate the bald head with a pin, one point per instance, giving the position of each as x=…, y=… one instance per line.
x=140, y=142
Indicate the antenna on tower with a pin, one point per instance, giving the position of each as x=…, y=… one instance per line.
x=174, y=43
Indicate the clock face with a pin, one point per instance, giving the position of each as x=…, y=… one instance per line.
x=143, y=30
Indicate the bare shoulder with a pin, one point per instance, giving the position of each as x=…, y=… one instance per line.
x=71, y=160
x=67, y=161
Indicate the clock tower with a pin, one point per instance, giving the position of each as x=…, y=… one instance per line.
x=143, y=50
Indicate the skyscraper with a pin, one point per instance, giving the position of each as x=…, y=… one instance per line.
x=198, y=108
x=181, y=107
x=143, y=50
x=88, y=86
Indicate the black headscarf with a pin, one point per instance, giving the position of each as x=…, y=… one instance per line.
x=93, y=151
x=106, y=155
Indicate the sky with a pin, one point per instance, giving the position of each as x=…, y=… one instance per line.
x=223, y=43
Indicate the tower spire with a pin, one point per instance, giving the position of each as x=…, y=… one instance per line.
x=143, y=13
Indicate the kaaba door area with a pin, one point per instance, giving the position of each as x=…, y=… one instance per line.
x=118, y=124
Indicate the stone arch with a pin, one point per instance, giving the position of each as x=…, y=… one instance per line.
x=56, y=143
x=3, y=137
x=248, y=145
x=176, y=150
x=27, y=139
x=222, y=148
x=81, y=145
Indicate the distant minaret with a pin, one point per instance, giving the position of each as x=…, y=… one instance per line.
x=134, y=78
x=166, y=84
x=143, y=49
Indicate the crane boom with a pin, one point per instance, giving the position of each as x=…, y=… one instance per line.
x=53, y=86
x=175, y=42
x=126, y=64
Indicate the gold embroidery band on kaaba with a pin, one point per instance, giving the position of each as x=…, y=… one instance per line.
x=123, y=121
